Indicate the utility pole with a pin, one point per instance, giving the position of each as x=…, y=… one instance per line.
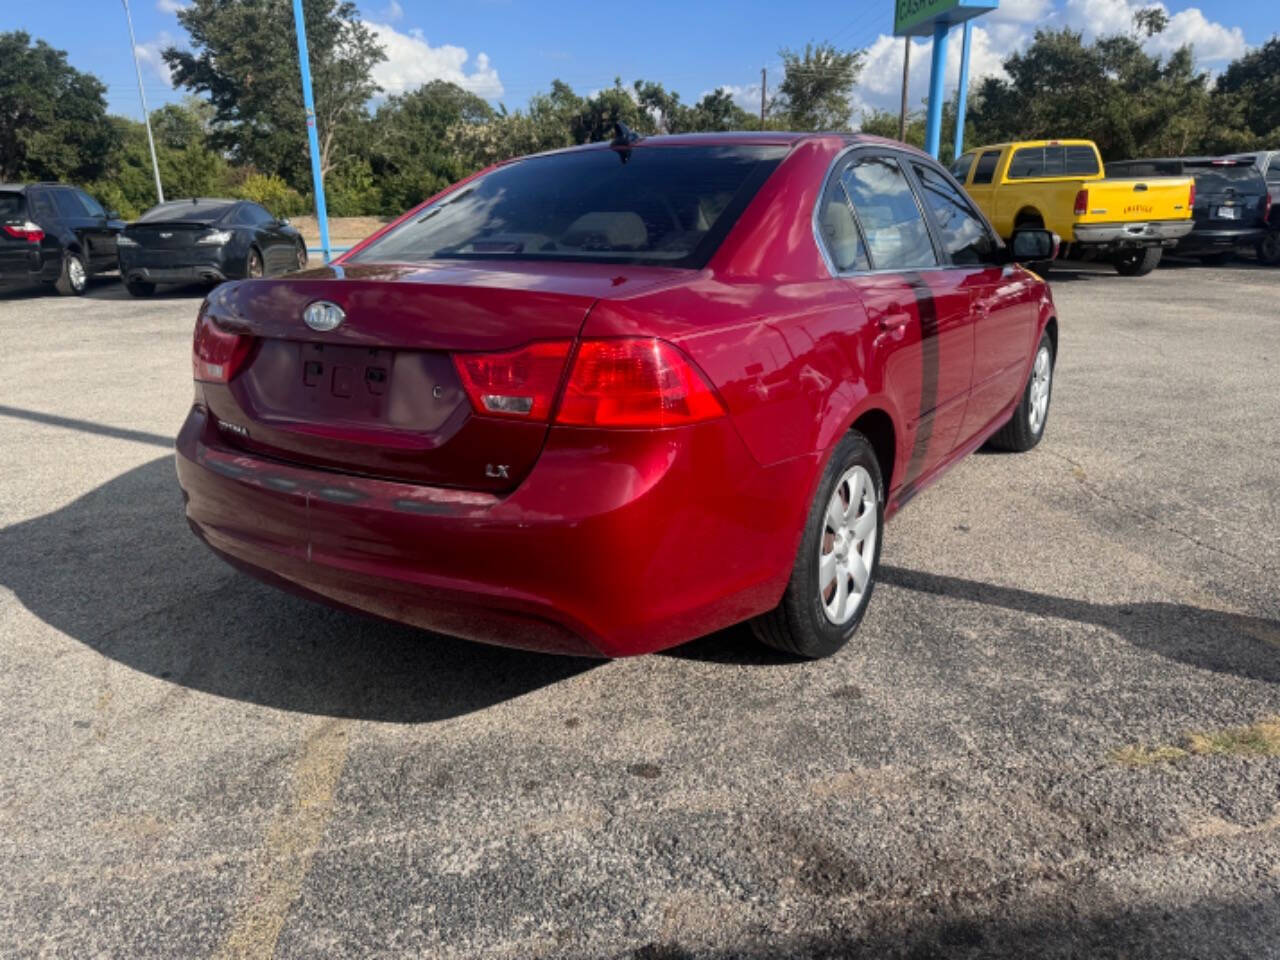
x=146, y=116
x=317, y=178
x=763, y=87
x=906, y=79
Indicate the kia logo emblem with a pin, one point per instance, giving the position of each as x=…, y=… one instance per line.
x=323, y=315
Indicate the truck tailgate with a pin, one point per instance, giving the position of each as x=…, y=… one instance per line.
x=1154, y=198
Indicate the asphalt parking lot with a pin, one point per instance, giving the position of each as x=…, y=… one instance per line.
x=1050, y=738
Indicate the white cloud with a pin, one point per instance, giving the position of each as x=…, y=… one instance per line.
x=392, y=14
x=747, y=96
x=1210, y=41
x=150, y=57
x=411, y=62
x=171, y=6
x=1020, y=11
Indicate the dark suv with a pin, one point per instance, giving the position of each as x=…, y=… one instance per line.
x=54, y=234
x=1268, y=163
x=1231, y=202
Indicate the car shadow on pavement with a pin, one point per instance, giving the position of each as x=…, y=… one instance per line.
x=119, y=570
x=1207, y=639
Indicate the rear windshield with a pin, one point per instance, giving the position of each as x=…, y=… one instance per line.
x=661, y=205
x=12, y=205
x=186, y=210
x=1072, y=161
x=1217, y=178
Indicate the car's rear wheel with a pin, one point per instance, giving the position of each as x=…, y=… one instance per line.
x=1138, y=263
x=253, y=266
x=302, y=256
x=835, y=568
x=73, y=279
x=1269, y=248
x=140, y=288
x=1026, y=426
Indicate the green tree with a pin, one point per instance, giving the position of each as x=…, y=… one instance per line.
x=53, y=118
x=245, y=61
x=816, y=92
x=1251, y=86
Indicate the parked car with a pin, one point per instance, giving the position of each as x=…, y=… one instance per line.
x=56, y=235
x=1268, y=163
x=1231, y=202
x=1058, y=185
x=206, y=240
x=604, y=400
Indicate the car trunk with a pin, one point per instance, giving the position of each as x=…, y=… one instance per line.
x=379, y=395
x=1229, y=196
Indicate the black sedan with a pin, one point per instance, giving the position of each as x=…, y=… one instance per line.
x=206, y=240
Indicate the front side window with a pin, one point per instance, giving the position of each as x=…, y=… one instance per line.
x=92, y=205
x=964, y=236
x=650, y=204
x=840, y=231
x=986, y=169
x=960, y=169
x=69, y=205
x=257, y=216
x=897, y=238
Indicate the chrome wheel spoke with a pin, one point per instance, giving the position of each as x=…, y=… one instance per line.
x=835, y=512
x=858, y=570
x=827, y=568
x=864, y=525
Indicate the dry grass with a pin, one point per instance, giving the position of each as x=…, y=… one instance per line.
x=1261, y=739
x=343, y=231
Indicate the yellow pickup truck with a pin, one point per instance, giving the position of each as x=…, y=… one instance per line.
x=1059, y=185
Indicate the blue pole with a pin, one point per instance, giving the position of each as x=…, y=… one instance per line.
x=962, y=98
x=937, y=78
x=317, y=179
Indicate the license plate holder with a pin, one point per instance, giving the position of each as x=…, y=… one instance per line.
x=1228, y=213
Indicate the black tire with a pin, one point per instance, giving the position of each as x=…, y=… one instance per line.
x=140, y=288
x=799, y=625
x=1021, y=434
x=254, y=267
x=1269, y=249
x=1217, y=259
x=302, y=256
x=1138, y=263
x=73, y=278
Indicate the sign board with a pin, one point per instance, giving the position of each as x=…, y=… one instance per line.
x=917, y=18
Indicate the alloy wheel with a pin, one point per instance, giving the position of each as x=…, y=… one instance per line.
x=76, y=274
x=1041, y=379
x=847, y=547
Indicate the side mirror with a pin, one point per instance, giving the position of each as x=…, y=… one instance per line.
x=113, y=214
x=1029, y=246
x=283, y=221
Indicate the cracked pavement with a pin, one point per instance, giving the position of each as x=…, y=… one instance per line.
x=196, y=765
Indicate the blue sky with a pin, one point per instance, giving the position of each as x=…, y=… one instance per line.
x=507, y=50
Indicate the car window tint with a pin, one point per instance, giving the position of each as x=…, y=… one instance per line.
x=69, y=204
x=11, y=206
x=986, y=169
x=1027, y=162
x=839, y=230
x=91, y=204
x=257, y=216
x=665, y=205
x=896, y=235
x=41, y=205
x=1055, y=162
x=186, y=210
x=1081, y=161
x=243, y=217
x=964, y=236
x=1273, y=171
x=960, y=169
x=1217, y=179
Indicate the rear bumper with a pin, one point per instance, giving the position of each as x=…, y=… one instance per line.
x=1220, y=240
x=209, y=265
x=1146, y=234
x=617, y=543
x=203, y=273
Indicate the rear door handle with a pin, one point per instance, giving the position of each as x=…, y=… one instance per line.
x=892, y=319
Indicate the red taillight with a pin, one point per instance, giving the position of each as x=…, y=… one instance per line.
x=519, y=383
x=635, y=383
x=28, y=231
x=1191, y=202
x=1082, y=203
x=216, y=354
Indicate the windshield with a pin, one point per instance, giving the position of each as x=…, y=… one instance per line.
x=659, y=205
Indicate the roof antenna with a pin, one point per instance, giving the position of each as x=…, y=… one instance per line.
x=623, y=137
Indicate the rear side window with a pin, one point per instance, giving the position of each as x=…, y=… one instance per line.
x=660, y=205
x=960, y=169
x=1273, y=171
x=41, y=205
x=840, y=231
x=12, y=206
x=985, y=172
x=964, y=236
x=69, y=204
x=897, y=238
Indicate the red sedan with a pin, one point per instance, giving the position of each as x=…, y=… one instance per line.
x=605, y=400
